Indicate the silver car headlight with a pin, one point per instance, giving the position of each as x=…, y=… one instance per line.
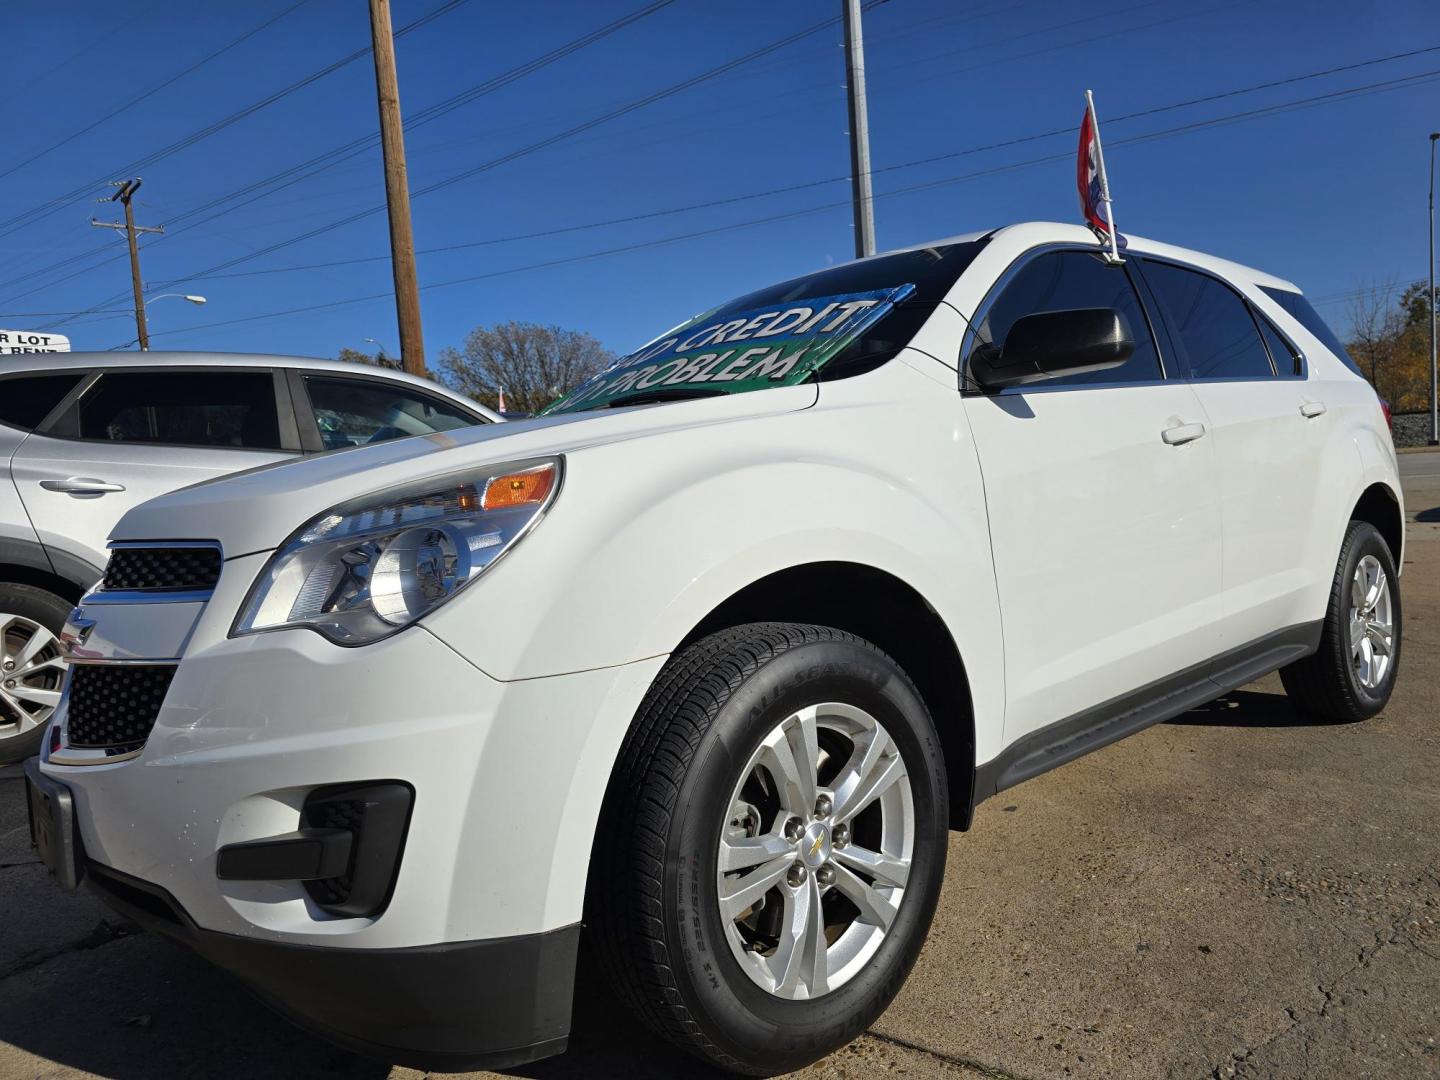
x=370, y=567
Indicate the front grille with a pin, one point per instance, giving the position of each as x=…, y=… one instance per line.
x=115, y=705
x=163, y=569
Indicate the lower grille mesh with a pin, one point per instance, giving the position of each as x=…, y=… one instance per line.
x=337, y=814
x=115, y=705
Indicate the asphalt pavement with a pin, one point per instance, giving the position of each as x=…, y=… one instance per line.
x=1240, y=892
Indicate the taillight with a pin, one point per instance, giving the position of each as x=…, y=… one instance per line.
x=1389, y=420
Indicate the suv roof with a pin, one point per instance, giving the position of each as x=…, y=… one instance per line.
x=90, y=360
x=1047, y=232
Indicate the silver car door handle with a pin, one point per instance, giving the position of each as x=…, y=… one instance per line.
x=1312, y=409
x=1175, y=436
x=81, y=485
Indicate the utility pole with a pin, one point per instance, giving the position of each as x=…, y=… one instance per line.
x=859, y=132
x=397, y=191
x=1434, y=373
x=126, y=192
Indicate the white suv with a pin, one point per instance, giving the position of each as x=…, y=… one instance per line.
x=708, y=658
x=86, y=436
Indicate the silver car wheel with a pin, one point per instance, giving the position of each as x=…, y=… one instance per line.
x=1372, y=623
x=815, y=851
x=32, y=668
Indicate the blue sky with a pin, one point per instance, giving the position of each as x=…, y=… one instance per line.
x=1331, y=196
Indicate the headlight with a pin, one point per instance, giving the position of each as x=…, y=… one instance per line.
x=371, y=566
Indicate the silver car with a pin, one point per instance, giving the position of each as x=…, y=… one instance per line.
x=86, y=436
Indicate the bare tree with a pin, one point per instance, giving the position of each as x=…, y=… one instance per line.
x=1376, y=322
x=355, y=356
x=532, y=364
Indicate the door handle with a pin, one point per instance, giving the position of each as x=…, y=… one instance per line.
x=1176, y=436
x=81, y=485
x=1312, y=409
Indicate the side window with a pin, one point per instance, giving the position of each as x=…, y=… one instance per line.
x=27, y=399
x=1066, y=280
x=188, y=408
x=1285, y=355
x=1310, y=319
x=1212, y=322
x=353, y=412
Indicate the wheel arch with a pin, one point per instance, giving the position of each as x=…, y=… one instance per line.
x=1380, y=506
x=21, y=574
x=892, y=615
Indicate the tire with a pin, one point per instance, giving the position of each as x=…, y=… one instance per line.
x=1333, y=683
x=655, y=898
x=22, y=609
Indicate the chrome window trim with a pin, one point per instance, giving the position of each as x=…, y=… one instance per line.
x=1001, y=283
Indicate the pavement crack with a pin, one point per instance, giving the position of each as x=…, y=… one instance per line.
x=103, y=933
x=1390, y=936
x=991, y=1072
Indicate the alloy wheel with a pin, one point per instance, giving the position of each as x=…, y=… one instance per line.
x=1372, y=623
x=32, y=668
x=815, y=850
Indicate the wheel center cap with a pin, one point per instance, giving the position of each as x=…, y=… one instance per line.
x=815, y=845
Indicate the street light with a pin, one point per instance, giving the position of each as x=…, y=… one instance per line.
x=196, y=300
x=1434, y=374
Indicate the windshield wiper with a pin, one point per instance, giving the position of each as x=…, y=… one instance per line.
x=656, y=397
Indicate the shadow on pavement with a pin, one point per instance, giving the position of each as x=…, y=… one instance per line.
x=1250, y=708
x=1431, y=515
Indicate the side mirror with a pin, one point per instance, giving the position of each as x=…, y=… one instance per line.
x=1053, y=343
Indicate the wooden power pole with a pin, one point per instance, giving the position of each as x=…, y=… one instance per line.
x=859, y=132
x=126, y=192
x=397, y=191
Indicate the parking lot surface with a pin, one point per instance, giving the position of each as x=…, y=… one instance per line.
x=1240, y=892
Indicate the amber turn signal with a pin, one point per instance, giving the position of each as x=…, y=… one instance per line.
x=520, y=488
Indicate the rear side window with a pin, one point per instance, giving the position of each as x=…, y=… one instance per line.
x=186, y=408
x=1286, y=357
x=1211, y=320
x=27, y=399
x=1066, y=280
x=1297, y=306
x=353, y=412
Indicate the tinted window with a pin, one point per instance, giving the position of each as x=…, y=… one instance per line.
x=1286, y=357
x=28, y=399
x=1212, y=322
x=190, y=408
x=840, y=321
x=1065, y=281
x=353, y=412
x=1309, y=318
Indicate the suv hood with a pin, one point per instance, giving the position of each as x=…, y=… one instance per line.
x=256, y=510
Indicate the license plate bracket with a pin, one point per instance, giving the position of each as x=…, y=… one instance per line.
x=52, y=826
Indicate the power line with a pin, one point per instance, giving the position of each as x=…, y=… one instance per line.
x=1318, y=99
x=156, y=88
x=296, y=173
x=790, y=188
x=29, y=217
x=532, y=148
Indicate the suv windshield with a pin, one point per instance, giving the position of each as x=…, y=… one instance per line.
x=844, y=321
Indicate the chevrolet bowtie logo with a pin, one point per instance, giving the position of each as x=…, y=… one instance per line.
x=819, y=843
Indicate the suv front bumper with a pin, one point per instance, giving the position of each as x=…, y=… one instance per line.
x=465, y=1005
x=470, y=960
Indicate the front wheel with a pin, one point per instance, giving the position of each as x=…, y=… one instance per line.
x=32, y=666
x=1353, y=673
x=773, y=845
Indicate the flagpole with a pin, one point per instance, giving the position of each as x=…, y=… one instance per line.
x=1104, y=180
